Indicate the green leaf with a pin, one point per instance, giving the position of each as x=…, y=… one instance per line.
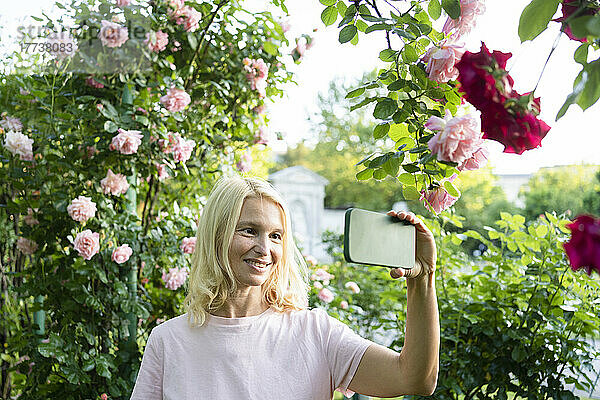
x=591, y=92
x=364, y=174
x=452, y=8
x=535, y=18
x=329, y=15
x=362, y=25
x=342, y=7
x=581, y=54
x=355, y=93
x=593, y=25
x=354, y=40
x=518, y=353
x=392, y=166
x=192, y=40
x=110, y=127
x=396, y=85
x=381, y=130
x=379, y=174
x=452, y=191
x=385, y=108
x=410, y=168
x=580, y=82
x=434, y=8
x=347, y=33
x=378, y=27
x=410, y=193
x=398, y=131
x=579, y=26
x=327, y=2
x=409, y=54
x=387, y=55
x=270, y=48
x=541, y=230
x=407, y=179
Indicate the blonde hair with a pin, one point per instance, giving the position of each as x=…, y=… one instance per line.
x=212, y=280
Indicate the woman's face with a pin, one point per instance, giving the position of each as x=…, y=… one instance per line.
x=257, y=244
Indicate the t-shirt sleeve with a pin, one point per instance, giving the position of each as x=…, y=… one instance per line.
x=342, y=347
x=149, y=382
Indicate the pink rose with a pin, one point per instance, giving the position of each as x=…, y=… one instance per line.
x=175, y=100
x=583, y=248
x=344, y=304
x=318, y=285
x=323, y=275
x=188, y=17
x=159, y=43
x=104, y=396
x=87, y=244
x=29, y=219
x=81, y=209
x=26, y=246
x=477, y=160
x=175, y=5
x=121, y=254
x=115, y=184
x=11, y=124
x=326, y=295
x=469, y=10
x=182, y=149
x=353, y=286
x=245, y=163
x=256, y=73
x=175, y=278
x=188, y=245
x=262, y=137
x=441, y=61
x=126, y=142
x=90, y=81
x=438, y=199
x=123, y=3
x=19, y=144
x=310, y=260
x=112, y=34
x=458, y=139
x=162, y=172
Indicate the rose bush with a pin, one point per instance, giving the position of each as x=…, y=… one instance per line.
x=105, y=151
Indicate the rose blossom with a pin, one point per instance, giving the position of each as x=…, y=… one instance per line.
x=115, y=184
x=326, y=295
x=441, y=61
x=568, y=8
x=162, y=172
x=188, y=245
x=159, y=43
x=352, y=286
x=318, y=285
x=182, y=149
x=245, y=163
x=262, y=136
x=175, y=5
x=469, y=10
x=175, y=100
x=175, y=278
x=188, y=17
x=344, y=305
x=19, y=144
x=29, y=219
x=26, y=246
x=87, y=244
x=121, y=254
x=323, y=275
x=112, y=35
x=256, y=73
x=583, y=248
x=310, y=260
x=90, y=81
x=126, y=142
x=104, y=396
x=458, y=138
x=11, y=124
x=123, y=3
x=438, y=199
x=81, y=209
x=477, y=160
x=506, y=116
x=61, y=45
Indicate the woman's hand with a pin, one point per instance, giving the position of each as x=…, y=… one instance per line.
x=426, y=256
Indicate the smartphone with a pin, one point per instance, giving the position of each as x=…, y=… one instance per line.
x=374, y=238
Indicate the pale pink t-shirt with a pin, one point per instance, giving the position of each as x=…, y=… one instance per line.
x=300, y=355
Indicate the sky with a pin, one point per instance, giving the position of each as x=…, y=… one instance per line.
x=574, y=139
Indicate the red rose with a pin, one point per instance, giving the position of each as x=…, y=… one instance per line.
x=506, y=116
x=583, y=249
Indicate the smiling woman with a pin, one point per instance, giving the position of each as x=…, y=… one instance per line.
x=248, y=334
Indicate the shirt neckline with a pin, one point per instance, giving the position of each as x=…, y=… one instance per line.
x=216, y=320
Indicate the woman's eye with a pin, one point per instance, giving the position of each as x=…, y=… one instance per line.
x=276, y=236
x=248, y=231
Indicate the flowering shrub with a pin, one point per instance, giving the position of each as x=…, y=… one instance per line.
x=106, y=147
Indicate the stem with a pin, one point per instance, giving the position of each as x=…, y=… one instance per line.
x=554, y=45
x=204, y=32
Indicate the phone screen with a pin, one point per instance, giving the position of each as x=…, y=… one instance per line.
x=378, y=239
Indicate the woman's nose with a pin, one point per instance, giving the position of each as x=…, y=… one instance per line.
x=261, y=245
